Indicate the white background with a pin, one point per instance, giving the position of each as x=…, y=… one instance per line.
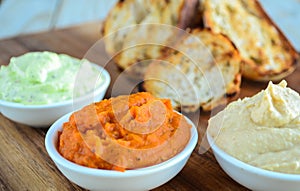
x=31, y=16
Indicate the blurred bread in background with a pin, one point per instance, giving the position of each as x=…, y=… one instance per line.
x=139, y=41
x=266, y=52
x=228, y=39
x=204, y=71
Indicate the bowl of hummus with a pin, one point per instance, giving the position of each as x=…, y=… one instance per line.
x=256, y=140
x=135, y=142
x=37, y=88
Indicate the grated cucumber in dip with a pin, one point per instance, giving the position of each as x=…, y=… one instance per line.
x=38, y=78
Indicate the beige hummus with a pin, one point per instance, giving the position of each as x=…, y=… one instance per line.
x=263, y=130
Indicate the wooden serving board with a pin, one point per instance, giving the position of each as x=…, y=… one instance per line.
x=24, y=162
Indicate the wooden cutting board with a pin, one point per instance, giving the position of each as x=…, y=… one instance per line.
x=24, y=162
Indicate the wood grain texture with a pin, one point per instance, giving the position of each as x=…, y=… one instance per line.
x=24, y=162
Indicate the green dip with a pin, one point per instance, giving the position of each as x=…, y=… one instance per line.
x=38, y=78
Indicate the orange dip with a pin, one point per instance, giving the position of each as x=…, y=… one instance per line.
x=125, y=132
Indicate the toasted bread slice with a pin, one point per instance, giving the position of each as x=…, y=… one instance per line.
x=137, y=30
x=265, y=51
x=203, y=72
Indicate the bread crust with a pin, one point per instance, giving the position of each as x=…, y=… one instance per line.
x=190, y=16
x=192, y=81
x=136, y=45
x=274, y=60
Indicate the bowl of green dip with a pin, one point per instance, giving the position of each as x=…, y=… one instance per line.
x=37, y=88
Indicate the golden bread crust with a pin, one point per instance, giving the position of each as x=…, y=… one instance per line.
x=203, y=72
x=139, y=41
x=266, y=52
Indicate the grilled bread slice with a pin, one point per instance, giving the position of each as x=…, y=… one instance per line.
x=137, y=30
x=204, y=72
x=265, y=51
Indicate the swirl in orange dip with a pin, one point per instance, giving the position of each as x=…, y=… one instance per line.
x=125, y=132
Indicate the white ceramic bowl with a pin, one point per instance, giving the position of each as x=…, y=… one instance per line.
x=138, y=179
x=252, y=177
x=45, y=115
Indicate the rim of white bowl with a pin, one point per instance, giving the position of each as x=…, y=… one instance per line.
x=102, y=87
x=57, y=158
x=256, y=170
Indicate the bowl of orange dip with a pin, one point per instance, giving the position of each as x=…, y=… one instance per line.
x=135, y=142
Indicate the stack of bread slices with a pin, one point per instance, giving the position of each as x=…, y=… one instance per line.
x=195, y=52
